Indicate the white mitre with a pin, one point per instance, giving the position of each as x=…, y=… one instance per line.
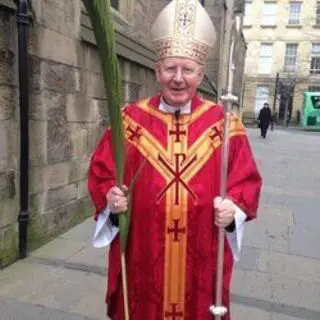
x=183, y=29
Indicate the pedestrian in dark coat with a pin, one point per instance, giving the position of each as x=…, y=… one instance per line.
x=264, y=119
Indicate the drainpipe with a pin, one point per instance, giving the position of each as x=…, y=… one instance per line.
x=23, y=22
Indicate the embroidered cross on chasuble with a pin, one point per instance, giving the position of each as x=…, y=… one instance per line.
x=172, y=240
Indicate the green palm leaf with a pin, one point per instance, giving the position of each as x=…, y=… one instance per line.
x=101, y=18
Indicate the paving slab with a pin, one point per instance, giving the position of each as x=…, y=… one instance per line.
x=279, y=267
x=82, y=232
x=55, y=287
x=247, y=312
x=60, y=249
x=277, y=288
x=11, y=309
x=304, y=242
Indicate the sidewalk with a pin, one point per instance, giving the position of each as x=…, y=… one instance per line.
x=64, y=280
x=277, y=278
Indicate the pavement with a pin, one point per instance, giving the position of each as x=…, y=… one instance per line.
x=277, y=278
x=63, y=280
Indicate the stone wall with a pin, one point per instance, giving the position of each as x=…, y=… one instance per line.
x=67, y=109
x=67, y=116
x=9, y=136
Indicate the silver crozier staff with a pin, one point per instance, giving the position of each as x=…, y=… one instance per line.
x=218, y=310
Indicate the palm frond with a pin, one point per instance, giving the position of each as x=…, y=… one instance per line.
x=101, y=18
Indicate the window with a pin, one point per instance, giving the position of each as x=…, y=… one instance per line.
x=316, y=102
x=318, y=13
x=123, y=7
x=115, y=4
x=290, y=58
x=314, y=88
x=294, y=14
x=265, y=60
x=262, y=96
x=315, y=59
x=247, y=13
x=269, y=14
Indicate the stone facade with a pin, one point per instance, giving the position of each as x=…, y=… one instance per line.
x=9, y=136
x=304, y=33
x=222, y=13
x=68, y=106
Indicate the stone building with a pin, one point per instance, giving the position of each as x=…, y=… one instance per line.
x=223, y=14
x=282, y=37
x=67, y=105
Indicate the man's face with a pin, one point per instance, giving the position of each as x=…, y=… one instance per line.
x=179, y=79
x=266, y=105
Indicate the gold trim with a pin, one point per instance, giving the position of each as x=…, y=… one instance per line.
x=177, y=162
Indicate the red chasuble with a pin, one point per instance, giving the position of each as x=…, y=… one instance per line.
x=172, y=247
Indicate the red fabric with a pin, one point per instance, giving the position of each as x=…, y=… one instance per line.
x=146, y=248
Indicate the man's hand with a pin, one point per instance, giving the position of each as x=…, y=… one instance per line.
x=117, y=199
x=225, y=210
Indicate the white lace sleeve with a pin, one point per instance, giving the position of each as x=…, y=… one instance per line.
x=235, y=237
x=105, y=232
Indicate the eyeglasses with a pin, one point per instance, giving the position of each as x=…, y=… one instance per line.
x=186, y=72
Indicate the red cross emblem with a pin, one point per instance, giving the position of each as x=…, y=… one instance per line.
x=177, y=132
x=216, y=133
x=174, y=314
x=135, y=134
x=176, y=230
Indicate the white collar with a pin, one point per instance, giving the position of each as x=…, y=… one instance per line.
x=164, y=107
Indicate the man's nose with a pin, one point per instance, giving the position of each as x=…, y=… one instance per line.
x=178, y=76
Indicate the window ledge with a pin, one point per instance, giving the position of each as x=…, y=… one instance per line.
x=294, y=26
x=316, y=26
x=128, y=45
x=247, y=26
x=119, y=19
x=266, y=26
x=9, y=4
